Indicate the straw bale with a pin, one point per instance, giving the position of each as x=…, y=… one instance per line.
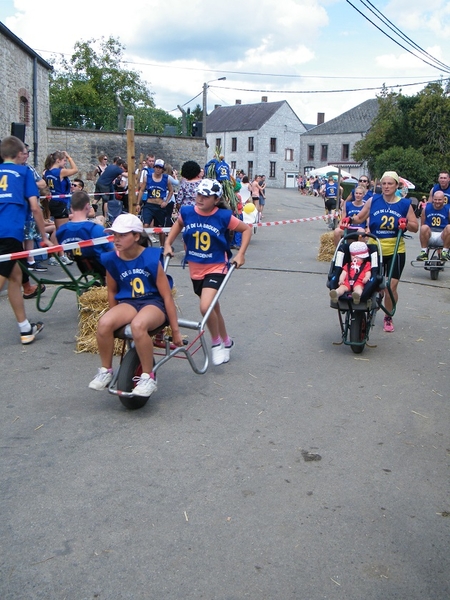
x=93, y=304
x=327, y=248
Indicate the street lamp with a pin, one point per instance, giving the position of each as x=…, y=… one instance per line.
x=205, y=93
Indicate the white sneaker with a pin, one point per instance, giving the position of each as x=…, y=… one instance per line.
x=227, y=351
x=53, y=262
x=145, y=385
x=218, y=354
x=101, y=380
x=66, y=260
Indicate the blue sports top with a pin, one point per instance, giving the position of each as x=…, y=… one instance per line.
x=58, y=186
x=135, y=278
x=330, y=190
x=157, y=190
x=16, y=186
x=206, y=237
x=351, y=210
x=76, y=231
x=383, y=221
x=221, y=168
x=436, y=219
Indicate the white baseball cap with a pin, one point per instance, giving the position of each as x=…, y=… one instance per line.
x=125, y=223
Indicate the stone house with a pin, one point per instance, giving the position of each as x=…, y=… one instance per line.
x=332, y=142
x=24, y=94
x=260, y=139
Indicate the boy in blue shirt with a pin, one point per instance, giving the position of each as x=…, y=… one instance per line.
x=18, y=194
x=81, y=228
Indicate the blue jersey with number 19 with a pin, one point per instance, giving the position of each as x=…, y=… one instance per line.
x=206, y=236
x=135, y=278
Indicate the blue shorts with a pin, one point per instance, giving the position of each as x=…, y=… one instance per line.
x=153, y=212
x=139, y=303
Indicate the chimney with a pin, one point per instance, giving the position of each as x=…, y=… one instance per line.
x=320, y=118
x=238, y=101
x=264, y=99
x=217, y=106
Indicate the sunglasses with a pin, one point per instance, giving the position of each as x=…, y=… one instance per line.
x=75, y=185
x=363, y=181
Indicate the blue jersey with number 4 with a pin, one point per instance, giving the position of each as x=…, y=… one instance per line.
x=16, y=185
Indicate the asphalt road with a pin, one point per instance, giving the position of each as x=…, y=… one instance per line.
x=298, y=471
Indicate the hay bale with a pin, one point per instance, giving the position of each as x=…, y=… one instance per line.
x=93, y=304
x=327, y=248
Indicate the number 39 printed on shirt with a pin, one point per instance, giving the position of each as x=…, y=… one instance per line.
x=202, y=240
x=435, y=221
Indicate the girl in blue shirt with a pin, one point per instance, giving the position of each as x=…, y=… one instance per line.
x=138, y=293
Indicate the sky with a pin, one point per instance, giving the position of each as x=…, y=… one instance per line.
x=318, y=55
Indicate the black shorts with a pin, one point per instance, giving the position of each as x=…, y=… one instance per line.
x=213, y=280
x=330, y=203
x=8, y=246
x=103, y=192
x=58, y=209
x=399, y=264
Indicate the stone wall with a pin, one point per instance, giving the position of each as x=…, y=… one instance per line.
x=85, y=145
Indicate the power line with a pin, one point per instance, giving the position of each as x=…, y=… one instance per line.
x=447, y=69
x=407, y=39
x=252, y=73
x=366, y=89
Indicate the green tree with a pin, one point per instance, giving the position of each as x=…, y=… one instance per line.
x=87, y=89
x=415, y=128
x=408, y=162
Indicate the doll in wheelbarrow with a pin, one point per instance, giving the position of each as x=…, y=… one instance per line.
x=355, y=274
x=356, y=271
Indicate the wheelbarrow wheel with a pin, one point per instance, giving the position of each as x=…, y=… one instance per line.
x=434, y=274
x=130, y=367
x=358, y=328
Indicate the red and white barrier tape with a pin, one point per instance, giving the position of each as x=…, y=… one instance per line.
x=110, y=238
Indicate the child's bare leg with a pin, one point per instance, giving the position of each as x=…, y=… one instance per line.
x=338, y=292
x=356, y=294
x=116, y=317
x=148, y=318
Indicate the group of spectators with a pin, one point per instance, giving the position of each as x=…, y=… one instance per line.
x=63, y=212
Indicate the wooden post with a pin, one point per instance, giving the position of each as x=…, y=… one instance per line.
x=132, y=204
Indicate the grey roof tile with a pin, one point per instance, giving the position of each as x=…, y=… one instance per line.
x=242, y=117
x=355, y=120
